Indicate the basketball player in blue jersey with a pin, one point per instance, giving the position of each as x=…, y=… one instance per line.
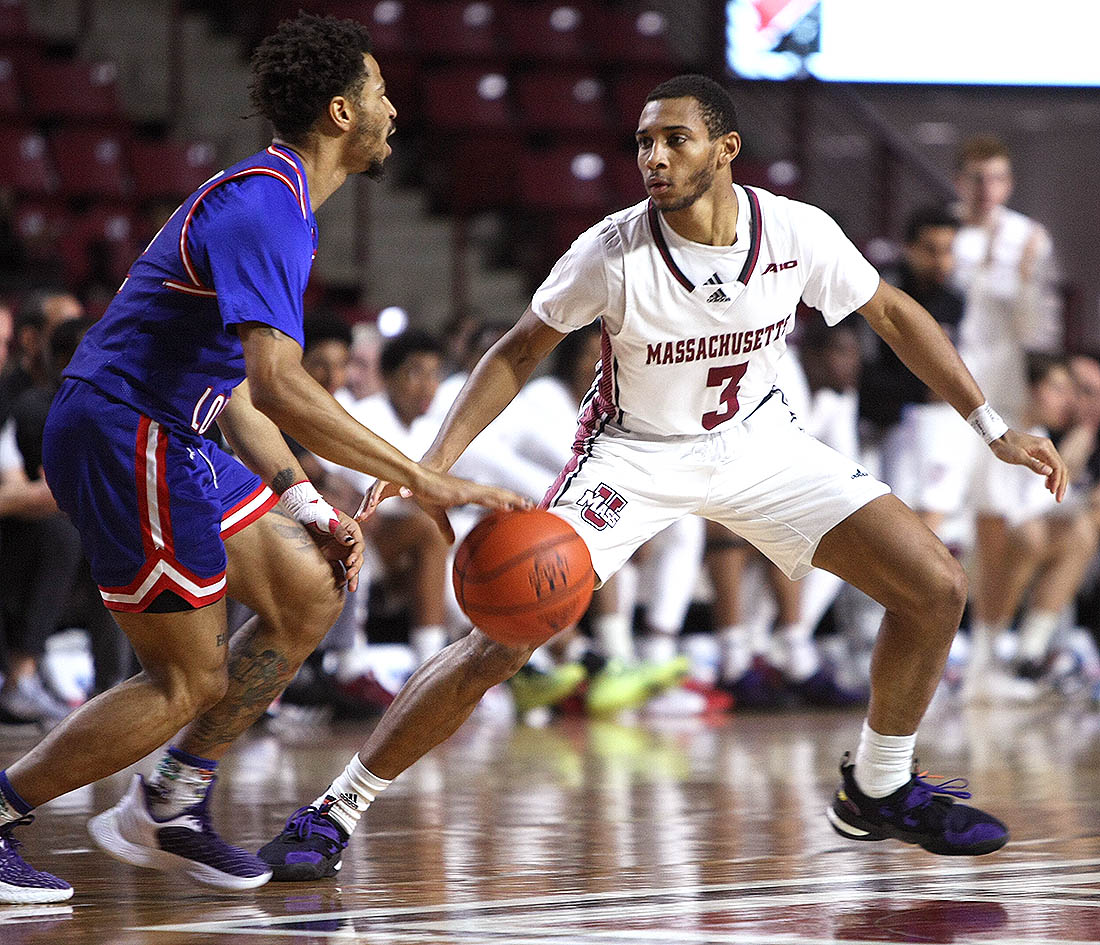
x=695, y=289
x=207, y=328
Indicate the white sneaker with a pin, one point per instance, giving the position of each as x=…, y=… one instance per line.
x=29, y=701
x=996, y=684
x=185, y=844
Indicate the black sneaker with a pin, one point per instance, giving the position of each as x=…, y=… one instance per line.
x=918, y=812
x=310, y=847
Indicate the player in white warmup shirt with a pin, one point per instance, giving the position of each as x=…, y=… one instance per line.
x=697, y=287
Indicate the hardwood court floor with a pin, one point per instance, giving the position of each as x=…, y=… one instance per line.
x=594, y=833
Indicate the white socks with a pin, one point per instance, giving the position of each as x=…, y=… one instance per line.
x=736, y=642
x=350, y=794
x=427, y=641
x=883, y=762
x=799, y=659
x=614, y=637
x=1036, y=630
x=658, y=647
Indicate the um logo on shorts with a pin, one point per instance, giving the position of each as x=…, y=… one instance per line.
x=602, y=506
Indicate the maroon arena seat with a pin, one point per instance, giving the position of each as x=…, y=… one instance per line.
x=73, y=90
x=567, y=177
x=560, y=100
x=11, y=98
x=90, y=163
x=25, y=163
x=467, y=98
x=554, y=31
x=639, y=37
x=13, y=20
x=104, y=230
x=628, y=95
x=448, y=29
x=169, y=169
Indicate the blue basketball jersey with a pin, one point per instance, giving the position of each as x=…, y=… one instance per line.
x=238, y=249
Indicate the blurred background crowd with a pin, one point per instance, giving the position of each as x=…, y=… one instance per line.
x=515, y=120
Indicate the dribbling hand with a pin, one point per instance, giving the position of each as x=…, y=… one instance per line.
x=1038, y=454
x=436, y=493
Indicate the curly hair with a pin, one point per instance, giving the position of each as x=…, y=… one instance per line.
x=298, y=69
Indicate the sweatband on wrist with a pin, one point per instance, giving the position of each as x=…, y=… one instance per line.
x=987, y=423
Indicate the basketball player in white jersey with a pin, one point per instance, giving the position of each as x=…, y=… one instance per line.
x=697, y=287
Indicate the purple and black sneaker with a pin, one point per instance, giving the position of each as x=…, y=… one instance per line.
x=310, y=847
x=918, y=812
x=19, y=881
x=186, y=843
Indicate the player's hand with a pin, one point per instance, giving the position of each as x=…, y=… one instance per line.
x=436, y=492
x=1038, y=454
x=343, y=549
x=376, y=493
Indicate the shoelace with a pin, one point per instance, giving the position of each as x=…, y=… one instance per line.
x=304, y=823
x=7, y=841
x=925, y=792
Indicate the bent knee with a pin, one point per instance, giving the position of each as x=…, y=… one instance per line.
x=937, y=592
x=193, y=690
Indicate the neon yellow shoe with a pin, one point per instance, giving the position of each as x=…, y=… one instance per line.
x=666, y=674
x=619, y=686
x=533, y=689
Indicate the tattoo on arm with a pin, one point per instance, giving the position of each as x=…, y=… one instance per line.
x=282, y=480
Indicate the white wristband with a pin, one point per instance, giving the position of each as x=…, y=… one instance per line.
x=987, y=423
x=306, y=505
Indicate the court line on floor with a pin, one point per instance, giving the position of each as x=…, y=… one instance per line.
x=847, y=879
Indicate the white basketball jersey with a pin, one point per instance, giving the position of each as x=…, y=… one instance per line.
x=693, y=333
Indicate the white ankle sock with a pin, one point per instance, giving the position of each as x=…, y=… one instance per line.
x=351, y=793
x=658, y=647
x=613, y=637
x=1036, y=630
x=736, y=642
x=799, y=655
x=427, y=641
x=883, y=762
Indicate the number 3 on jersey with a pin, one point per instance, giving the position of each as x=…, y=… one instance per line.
x=730, y=375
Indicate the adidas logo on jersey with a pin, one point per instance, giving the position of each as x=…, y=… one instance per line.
x=858, y=473
x=718, y=296
x=714, y=280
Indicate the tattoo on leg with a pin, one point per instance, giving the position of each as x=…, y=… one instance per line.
x=256, y=677
x=221, y=638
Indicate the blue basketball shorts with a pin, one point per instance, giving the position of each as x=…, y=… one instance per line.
x=152, y=505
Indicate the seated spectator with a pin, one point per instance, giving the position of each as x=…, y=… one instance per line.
x=1031, y=549
x=28, y=364
x=409, y=545
x=928, y=450
x=763, y=666
x=47, y=584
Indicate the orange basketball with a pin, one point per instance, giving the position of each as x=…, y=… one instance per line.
x=523, y=576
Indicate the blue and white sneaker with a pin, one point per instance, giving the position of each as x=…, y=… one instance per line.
x=184, y=844
x=311, y=846
x=918, y=812
x=19, y=881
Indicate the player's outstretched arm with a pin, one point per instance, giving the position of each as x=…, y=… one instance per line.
x=492, y=386
x=921, y=344
x=283, y=391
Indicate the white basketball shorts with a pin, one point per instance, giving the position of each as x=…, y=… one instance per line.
x=765, y=479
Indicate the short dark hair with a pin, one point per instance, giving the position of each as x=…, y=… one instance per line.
x=321, y=328
x=399, y=349
x=66, y=339
x=715, y=102
x=1040, y=364
x=935, y=214
x=302, y=66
